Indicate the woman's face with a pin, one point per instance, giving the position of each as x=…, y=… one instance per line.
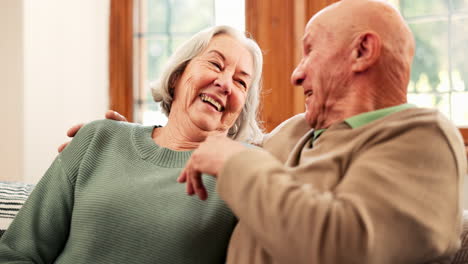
x=212, y=90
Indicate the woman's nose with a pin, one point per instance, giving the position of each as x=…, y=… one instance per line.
x=224, y=82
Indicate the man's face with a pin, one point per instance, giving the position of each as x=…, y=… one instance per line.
x=322, y=72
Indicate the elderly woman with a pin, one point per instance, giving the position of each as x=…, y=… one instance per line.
x=112, y=196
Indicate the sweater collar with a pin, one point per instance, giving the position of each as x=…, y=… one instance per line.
x=151, y=152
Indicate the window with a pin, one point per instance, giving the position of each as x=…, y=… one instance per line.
x=439, y=76
x=160, y=27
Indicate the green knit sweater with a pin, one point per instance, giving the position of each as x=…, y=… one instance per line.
x=112, y=197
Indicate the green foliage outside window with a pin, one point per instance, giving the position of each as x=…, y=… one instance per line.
x=439, y=76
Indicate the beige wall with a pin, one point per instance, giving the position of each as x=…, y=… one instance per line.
x=65, y=74
x=11, y=86
x=53, y=63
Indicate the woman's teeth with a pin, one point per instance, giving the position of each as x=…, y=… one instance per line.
x=212, y=101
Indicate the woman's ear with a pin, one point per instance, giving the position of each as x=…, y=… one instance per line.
x=366, y=51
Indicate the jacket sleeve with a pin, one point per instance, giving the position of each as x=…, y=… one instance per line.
x=383, y=210
x=40, y=230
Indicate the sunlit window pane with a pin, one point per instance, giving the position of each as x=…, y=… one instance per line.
x=412, y=8
x=439, y=76
x=459, y=52
x=459, y=109
x=460, y=5
x=430, y=62
x=441, y=101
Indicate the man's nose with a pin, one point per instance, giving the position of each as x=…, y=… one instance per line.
x=298, y=75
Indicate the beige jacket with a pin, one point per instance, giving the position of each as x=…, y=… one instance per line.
x=387, y=192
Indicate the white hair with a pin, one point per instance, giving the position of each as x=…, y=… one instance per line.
x=246, y=127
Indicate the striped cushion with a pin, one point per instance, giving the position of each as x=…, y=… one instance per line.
x=12, y=197
x=461, y=257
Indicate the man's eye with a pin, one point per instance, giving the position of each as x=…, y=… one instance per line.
x=217, y=65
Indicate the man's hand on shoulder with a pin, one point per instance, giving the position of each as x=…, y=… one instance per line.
x=110, y=114
x=114, y=115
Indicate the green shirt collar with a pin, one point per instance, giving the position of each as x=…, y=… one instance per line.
x=365, y=118
x=318, y=132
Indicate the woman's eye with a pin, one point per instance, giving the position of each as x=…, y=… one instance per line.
x=217, y=65
x=241, y=82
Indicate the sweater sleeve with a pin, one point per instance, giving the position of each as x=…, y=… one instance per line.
x=40, y=230
x=383, y=210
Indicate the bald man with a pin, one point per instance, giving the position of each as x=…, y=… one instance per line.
x=362, y=177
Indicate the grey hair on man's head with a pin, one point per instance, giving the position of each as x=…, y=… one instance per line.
x=246, y=128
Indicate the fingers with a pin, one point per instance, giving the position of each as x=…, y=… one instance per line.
x=73, y=130
x=182, y=177
x=110, y=114
x=71, y=133
x=197, y=183
x=189, y=186
x=193, y=183
x=61, y=147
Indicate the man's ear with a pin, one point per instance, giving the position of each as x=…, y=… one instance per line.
x=366, y=51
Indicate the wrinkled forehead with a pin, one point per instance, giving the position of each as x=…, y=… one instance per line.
x=231, y=50
x=316, y=31
x=227, y=43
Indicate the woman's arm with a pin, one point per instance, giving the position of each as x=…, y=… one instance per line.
x=40, y=230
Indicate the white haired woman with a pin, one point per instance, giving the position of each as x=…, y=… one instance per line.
x=112, y=197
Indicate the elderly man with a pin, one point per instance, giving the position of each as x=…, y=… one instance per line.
x=376, y=180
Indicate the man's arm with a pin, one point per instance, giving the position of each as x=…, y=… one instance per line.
x=384, y=210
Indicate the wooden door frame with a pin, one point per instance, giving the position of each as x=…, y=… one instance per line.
x=121, y=57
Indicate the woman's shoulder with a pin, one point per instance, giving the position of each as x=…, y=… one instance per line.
x=95, y=137
x=108, y=128
x=107, y=124
x=100, y=133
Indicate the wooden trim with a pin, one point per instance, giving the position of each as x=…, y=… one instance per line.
x=278, y=27
x=121, y=57
x=272, y=25
x=464, y=132
x=313, y=7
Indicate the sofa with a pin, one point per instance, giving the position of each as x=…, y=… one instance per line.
x=13, y=195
